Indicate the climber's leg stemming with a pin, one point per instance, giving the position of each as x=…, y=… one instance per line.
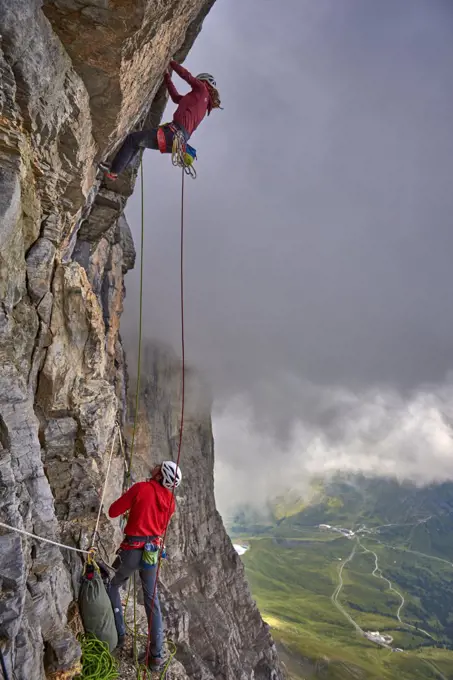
x=128, y=561
x=130, y=148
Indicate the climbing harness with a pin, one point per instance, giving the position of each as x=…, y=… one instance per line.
x=182, y=154
x=97, y=661
x=150, y=555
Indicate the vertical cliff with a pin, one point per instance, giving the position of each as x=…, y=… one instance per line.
x=74, y=77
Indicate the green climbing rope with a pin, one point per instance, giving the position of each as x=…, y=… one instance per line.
x=97, y=662
x=172, y=647
x=140, y=316
x=162, y=671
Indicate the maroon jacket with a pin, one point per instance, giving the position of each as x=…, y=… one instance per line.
x=194, y=105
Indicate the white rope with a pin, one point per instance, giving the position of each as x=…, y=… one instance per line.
x=45, y=540
x=127, y=474
x=105, y=486
x=62, y=545
x=121, y=440
x=122, y=450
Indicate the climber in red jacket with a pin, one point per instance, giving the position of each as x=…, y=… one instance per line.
x=150, y=505
x=192, y=108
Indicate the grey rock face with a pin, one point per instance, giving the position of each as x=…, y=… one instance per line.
x=75, y=77
x=107, y=206
x=40, y=260
x=12, y=269
x=44, y=308
x=52, y=229
x=127, y=244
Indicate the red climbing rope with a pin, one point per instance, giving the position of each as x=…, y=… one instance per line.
x=181, y=425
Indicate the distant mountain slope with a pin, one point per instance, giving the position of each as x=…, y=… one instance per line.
x=382, y=563
x=423, y=517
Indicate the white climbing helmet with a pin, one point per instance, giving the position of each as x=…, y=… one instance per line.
x=208, y=78
x=170, y=473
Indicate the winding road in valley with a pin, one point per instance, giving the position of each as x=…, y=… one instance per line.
x=377, y=573
x=337, y=591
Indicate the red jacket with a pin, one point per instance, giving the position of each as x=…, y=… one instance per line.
x=151, y=505
x=192, y=106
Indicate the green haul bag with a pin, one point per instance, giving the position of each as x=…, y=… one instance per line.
x=96, y=609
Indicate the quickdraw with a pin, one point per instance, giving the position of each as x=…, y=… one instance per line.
x=182, y=154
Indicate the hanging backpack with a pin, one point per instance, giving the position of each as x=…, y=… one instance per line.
x=95, y=607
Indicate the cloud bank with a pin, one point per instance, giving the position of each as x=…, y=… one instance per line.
x=318, y=238
x=377, y=432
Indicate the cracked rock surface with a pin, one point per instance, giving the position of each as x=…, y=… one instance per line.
x=75, y=77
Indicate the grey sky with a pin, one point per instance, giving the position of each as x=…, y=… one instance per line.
x=319, y=245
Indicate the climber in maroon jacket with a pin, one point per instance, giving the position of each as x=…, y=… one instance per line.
x=192, y=108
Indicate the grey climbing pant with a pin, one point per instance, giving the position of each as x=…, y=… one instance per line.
x=126, y=563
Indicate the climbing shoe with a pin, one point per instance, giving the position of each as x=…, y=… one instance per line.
x=105, y=168
x=119, y=647
x=154, y=662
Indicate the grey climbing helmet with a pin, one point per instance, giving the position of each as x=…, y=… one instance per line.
x=171, y=474
x=208, y=78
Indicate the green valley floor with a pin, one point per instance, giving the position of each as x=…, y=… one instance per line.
x=322, y=593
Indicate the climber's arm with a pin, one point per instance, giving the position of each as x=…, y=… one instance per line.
x=185, y=75
x=172, y=91
x=123, y=504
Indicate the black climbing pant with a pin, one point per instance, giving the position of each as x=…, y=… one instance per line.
x=135, y=141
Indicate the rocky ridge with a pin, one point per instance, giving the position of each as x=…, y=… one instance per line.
x=74, y=77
